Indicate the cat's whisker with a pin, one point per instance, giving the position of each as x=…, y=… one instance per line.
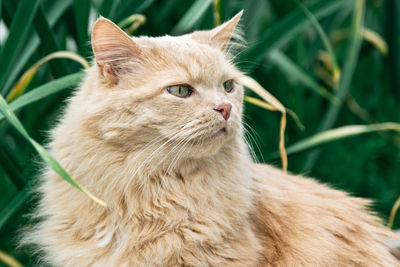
x=177, y=132
x=241, y=128
x=149, y=146
x=149, y=157
x=251, y=151
x=178, y=154
x=166, y=156
x=253, y=136
x=176, y=147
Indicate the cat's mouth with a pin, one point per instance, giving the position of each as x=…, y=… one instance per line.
x=221, y=132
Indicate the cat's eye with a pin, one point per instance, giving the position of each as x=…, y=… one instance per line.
x=228, y=85
x=180, y=90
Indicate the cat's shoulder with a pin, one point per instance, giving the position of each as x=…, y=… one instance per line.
x=278, y=182
x=299, y=220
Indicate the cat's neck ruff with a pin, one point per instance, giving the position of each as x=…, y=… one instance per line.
x=120, y=177
x=192, y=181
x=195, y=190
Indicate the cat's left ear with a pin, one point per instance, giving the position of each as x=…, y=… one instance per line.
x=221, y=35
x=112, y=47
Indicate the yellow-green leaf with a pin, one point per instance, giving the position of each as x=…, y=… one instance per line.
x=52, y=162
x=340, y=133
x=265, y=105
x=9, y=260
x=393, y=212
x=24, y=81
x=132, y=23
x=272, y=101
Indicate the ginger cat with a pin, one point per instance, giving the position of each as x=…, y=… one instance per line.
x=155, y=130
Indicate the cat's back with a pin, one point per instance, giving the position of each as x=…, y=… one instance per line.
x=303, y=223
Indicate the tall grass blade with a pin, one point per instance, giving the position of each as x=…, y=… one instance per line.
x=375, y=39
x=286, y=29
x=262, y=104
x=11, y=169
x=392, y=29
x=352, y=54
x=217, y=12
x=18, y=31
x=259, y=103
x=13, y=155
x=144, y=6
x=9, y=260
x=272, y=101
x=132, y=23
x=81, y=12
x=11, y=118
x=324, y=38
x=393, y=212
x=24, y=81
x=14, y=205
x=49, y=41
x=125, y=8
x=193, y=15
x=45, y=90
x=369, y=35
x=1, y=4
x=340, y=133
x=107, y=8
x=293, y=71
x=32, y=43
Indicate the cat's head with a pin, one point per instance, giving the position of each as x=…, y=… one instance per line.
x=178, y=93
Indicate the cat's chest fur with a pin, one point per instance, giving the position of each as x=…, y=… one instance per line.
x=201, y=220
x=195, y=215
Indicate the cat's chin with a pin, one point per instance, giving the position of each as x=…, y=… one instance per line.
x=219, y=136
x=211, y=145
x=221, y=133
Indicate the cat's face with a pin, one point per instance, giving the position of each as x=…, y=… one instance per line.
x=175, y=94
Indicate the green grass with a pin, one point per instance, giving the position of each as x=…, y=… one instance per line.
x=293, y=51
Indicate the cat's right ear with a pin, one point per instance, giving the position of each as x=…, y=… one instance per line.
x=112, y=47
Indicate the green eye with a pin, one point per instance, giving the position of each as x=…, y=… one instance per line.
x=179, y=90
x=228, y=85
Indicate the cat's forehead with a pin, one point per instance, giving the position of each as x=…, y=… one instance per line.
x=187, y=58
x=182, y=42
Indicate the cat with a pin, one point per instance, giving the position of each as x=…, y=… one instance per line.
x=155, y=130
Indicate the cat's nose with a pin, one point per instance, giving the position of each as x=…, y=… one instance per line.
x=225, y=110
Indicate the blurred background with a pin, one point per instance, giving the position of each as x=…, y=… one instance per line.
x=334, y=65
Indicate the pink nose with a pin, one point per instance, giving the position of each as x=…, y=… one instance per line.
x=224, y=109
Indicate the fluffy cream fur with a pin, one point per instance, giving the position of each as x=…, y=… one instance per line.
x=179, y=191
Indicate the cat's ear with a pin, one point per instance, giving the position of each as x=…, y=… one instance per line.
x=112, y=47
x=221, y=35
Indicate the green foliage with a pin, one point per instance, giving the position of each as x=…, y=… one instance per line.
x=291, y=45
